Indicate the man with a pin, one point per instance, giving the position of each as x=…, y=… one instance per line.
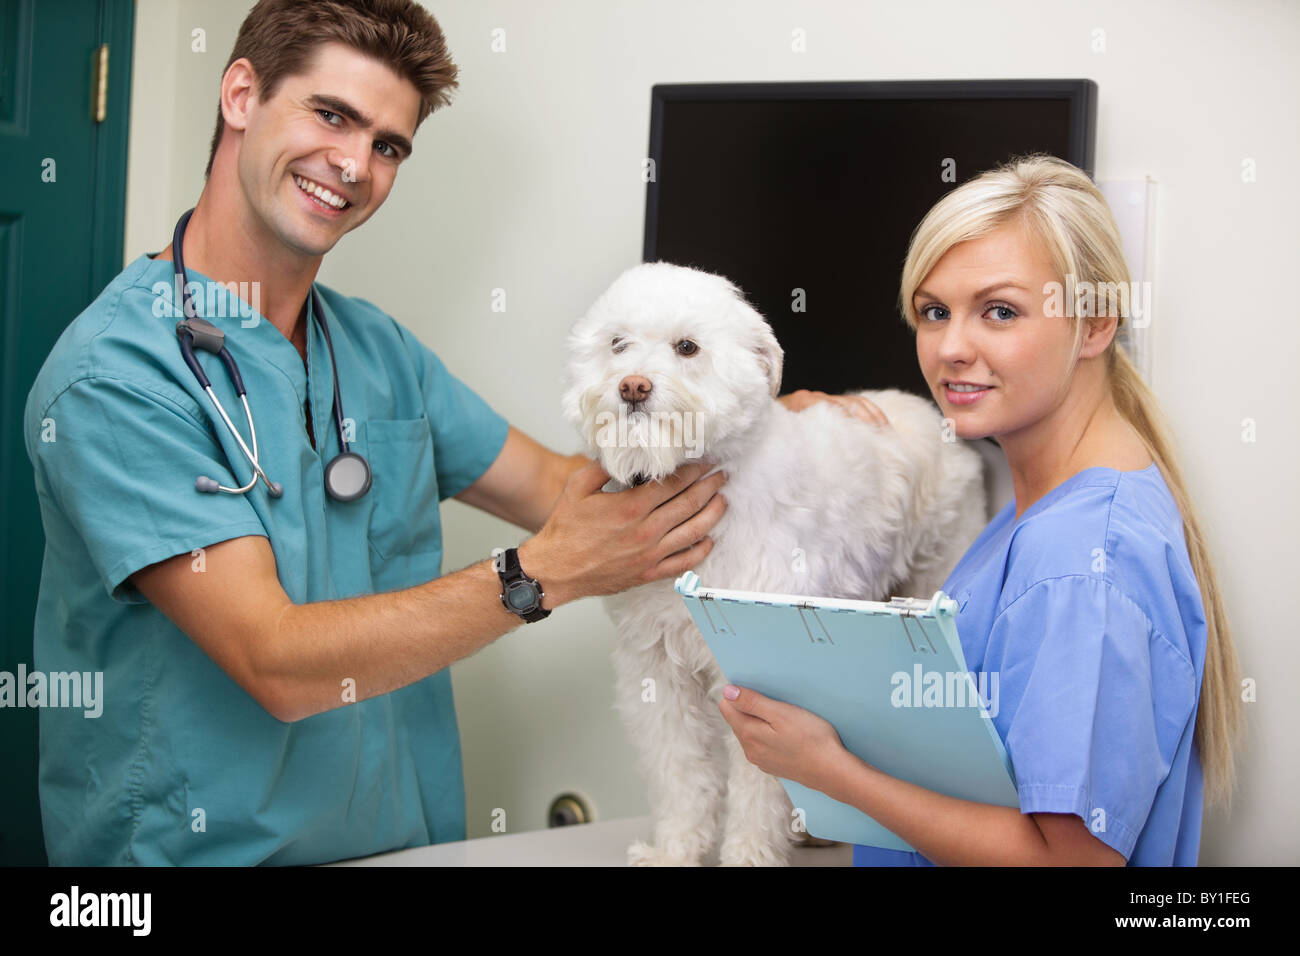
x=275, y=668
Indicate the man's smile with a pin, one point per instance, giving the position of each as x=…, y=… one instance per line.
x=320, y=194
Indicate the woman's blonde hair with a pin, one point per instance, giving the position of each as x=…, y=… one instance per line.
x=1066, y=214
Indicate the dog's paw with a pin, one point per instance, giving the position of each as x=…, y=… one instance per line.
x=641, y=853
x=753, y=853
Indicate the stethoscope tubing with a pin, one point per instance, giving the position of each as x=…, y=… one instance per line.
x=213, y=340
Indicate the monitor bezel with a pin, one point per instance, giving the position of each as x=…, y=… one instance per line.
x=1080, y=93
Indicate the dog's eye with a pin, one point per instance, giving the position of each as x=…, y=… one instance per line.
x=618, y=344
x=687, y=347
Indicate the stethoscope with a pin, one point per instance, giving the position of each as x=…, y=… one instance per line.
x=347, y=476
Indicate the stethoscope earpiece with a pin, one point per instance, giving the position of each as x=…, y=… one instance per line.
x=347, y=476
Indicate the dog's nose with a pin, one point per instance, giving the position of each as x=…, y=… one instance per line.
x=634, y=388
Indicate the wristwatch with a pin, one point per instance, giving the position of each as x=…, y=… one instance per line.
x=520, y=594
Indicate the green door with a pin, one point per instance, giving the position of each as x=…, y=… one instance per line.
x=62, y=210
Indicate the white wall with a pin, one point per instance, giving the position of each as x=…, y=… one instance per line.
x=531, y=182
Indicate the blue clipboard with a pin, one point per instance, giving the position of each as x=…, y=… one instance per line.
x=890, y=677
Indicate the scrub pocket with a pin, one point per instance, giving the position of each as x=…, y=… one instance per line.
x=404, y=523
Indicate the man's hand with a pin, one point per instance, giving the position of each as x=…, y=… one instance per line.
x=854, y=405
x=597, y=543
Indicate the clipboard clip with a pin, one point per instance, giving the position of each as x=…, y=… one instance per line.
x=939, y=605
x=805, y=606
x=705, y=599
x=687, y=585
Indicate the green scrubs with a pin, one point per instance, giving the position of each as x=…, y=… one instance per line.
x=183, y=766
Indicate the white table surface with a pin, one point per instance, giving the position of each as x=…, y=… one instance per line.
x=588, y=844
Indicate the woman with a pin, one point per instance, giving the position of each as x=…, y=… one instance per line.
x=1091, y=596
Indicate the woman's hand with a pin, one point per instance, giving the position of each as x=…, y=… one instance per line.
x=784, y=740
x=854, y=405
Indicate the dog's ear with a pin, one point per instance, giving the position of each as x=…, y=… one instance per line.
x=771, y=357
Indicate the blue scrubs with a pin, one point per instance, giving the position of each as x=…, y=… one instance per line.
x=1089, y=613
x=183, y=766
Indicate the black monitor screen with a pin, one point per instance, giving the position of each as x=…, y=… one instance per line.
x=805, y=196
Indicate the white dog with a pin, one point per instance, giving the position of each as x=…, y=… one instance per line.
x=671, y=364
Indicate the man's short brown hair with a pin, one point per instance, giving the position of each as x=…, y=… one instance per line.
x=281, y=37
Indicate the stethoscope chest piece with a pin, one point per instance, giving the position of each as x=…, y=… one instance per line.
x=347, y=477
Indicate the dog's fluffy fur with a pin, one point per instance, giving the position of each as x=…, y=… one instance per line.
x=818, y=503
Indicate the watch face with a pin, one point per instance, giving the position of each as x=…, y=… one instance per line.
x=522, y=596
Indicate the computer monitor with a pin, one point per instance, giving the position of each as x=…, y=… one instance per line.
x=806, y=194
